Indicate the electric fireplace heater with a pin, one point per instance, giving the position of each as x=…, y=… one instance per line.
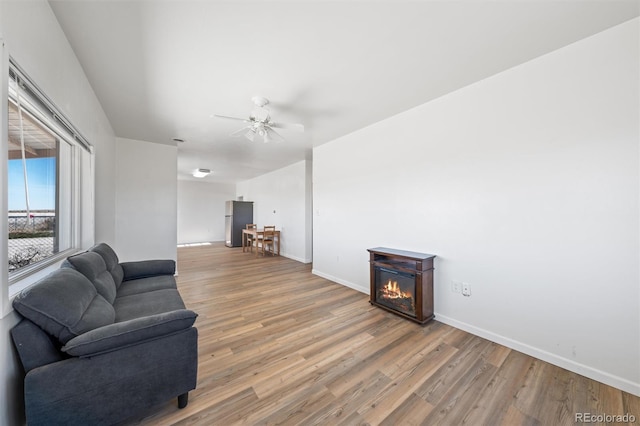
x=402, y=283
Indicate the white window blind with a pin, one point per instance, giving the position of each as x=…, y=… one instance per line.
x=49, y=186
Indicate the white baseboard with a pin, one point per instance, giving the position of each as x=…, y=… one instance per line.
x=296, y=258
x=584, y=370
x=590, y=372
x=340, y=281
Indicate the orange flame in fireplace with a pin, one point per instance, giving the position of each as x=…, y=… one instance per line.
x=392, y=291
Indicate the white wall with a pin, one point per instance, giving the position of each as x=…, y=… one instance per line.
x=138, y=197
x=201, y=210
x=308, y=211
x=146, y=200
x=35, y=40
x=526, y=186
x=281, y=198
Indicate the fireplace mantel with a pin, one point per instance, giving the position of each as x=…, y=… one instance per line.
x=414, y=295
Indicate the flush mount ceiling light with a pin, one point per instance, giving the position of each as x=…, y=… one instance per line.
x=200, y=173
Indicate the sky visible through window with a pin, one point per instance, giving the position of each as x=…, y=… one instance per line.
x=41, y=174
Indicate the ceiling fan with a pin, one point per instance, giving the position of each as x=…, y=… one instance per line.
x=260, y=123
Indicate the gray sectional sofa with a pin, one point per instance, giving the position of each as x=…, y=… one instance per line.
x=102, y=341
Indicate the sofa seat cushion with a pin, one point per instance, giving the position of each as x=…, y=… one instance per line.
x=144, y=285
x=148, y=303
x=93, y=266
x=65, y=304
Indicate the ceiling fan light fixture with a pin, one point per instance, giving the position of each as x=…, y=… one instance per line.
x=200, y=173
x=260, y=101
x=260, y=123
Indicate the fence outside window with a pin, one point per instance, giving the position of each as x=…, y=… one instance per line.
x=31, y=238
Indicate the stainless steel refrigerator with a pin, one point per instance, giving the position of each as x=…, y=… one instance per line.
x=237, y=215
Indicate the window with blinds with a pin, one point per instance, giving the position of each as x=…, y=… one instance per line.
x=49, y=181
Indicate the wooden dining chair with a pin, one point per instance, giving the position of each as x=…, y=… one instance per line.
x=250, y=238
x=268, y=240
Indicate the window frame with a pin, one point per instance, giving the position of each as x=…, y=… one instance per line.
x=5, y=300
x=63, y=192
x=81, y=162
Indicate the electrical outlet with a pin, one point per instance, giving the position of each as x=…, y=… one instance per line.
x=466, y=289
x=456, y=286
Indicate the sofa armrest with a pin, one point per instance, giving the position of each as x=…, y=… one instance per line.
x=35, y=347
x=148, y=268
x=128, y=333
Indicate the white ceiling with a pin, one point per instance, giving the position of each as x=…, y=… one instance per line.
x=162, y=68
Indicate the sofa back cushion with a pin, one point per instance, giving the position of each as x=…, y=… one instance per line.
x=65, y=304
x=92, y=266
x=111, y=259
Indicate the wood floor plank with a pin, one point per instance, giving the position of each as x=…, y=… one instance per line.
x=496, y=403
x=345, y=408
x=404, y=385
x=279, y=345
x=467, y=357
x=301, y=372
x=461, y=397
x=412, y=411
x=374, y=358
x=631, y=407
x=513, y=416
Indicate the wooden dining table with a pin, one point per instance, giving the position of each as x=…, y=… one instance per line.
x=256, y=233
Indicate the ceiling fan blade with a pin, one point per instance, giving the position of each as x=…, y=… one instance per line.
x=272, y=135
x=231, y=118
x=237, y=132
x=288, y=126
x=251, y=134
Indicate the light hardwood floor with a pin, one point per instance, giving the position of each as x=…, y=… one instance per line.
x=278, y=345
